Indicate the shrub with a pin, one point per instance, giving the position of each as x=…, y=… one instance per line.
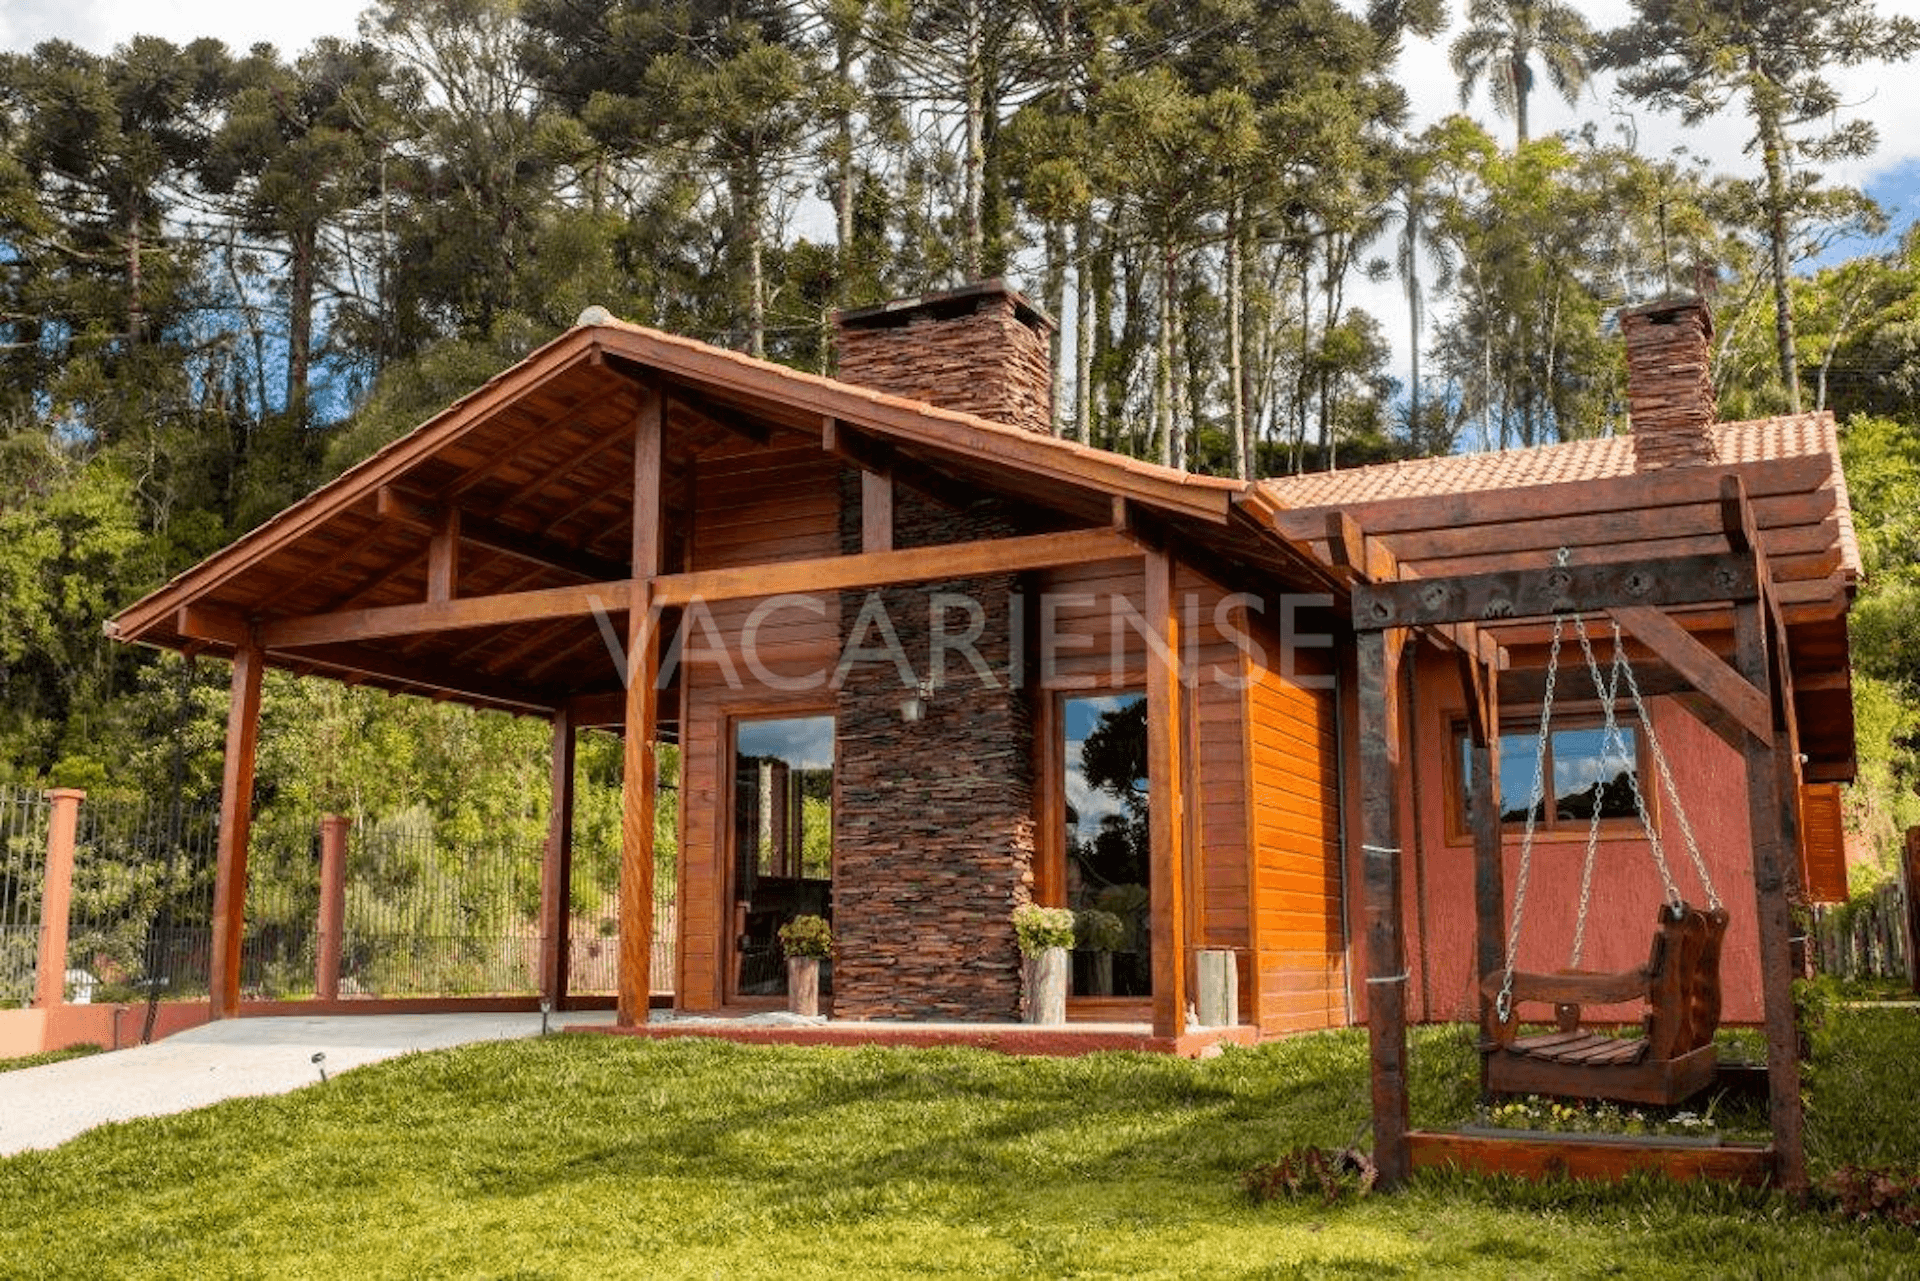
x=1864, y=1194
x=807, y=936
x=1098, y=931
x=1039, y=928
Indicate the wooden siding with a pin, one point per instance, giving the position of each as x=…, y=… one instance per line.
x=751, y=505
x=1294, y=796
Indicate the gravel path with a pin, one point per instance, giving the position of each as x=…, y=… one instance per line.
x=45, y=1106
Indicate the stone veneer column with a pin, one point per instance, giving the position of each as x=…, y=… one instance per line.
x=933, y=821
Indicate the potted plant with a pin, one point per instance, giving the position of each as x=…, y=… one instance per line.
x=807, y=941
x=1044, y=934
x=1100, y=933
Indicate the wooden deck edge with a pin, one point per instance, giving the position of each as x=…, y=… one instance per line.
x=426, y=1005
x=1574, y=1157
x=1052, y=1041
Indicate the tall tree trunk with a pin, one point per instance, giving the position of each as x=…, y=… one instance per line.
x=843, y=157
x=136, y=307
x=1056, y=293
x=1083, y=306
x=1771, y=149
x=1236, y=340
x=973, y=230
x=1518, y=72
x=300, y=285
x=1163, y=360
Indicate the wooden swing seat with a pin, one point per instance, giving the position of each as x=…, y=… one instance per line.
x=1671, y=1061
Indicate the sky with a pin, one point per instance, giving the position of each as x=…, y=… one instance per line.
x=1891, y=175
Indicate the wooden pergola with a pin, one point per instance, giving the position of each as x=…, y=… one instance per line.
x=1708, y=625
x=477, y=559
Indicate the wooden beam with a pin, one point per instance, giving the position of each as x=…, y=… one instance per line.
x=213, y=624
x=1540, y=593
x=427, y=680
x=443, y=556
x=880, y=569
x=445, y=616
x=530, y=546
x=871, y=455
x=1774, y=835
x=1702, y=668
x=704, y=413
x=1489, y=883
x=639, y=768
x=236, y=825
x=1378, y=659
x=1166, y=798
x=876, y=512
x=556, y=867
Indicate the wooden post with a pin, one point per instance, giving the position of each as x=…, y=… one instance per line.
x=1481, y=686
x=1166, y=827
x=1770, y=816
x=1379, y=662
x=333, y=905
x=236, y=825
x=638, y=773
x=876, y=512
x=556, y=870
x=56, y=896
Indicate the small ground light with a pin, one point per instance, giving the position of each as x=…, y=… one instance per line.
x=319, y=1060
x=546, y=1008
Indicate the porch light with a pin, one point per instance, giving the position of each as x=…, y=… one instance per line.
x=914, y=706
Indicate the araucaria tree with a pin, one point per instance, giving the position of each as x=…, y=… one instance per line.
x=1699, y=57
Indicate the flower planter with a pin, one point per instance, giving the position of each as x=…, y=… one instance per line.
x=803, y=985
x=1534, y=1154
x=1046, y=983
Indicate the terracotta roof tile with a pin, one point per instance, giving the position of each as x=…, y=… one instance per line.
x=1756, y=441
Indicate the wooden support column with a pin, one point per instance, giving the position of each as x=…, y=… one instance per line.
x=876, y=512
x=1379, y=663
x=642, y=720
x=1165, y=801
x=236, y=825
x=333, y=906
x=1770, y=816
x=56, y=896
x=443, y=557
x=1489, y=881
x=556, y=869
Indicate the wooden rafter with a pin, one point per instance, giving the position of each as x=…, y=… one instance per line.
x=533, y=548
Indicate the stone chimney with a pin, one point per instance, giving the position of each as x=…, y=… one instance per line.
x=982, y=348
x=1670, y=383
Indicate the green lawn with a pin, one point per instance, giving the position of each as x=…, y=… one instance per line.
x=48, y=1056
x=593, y=1157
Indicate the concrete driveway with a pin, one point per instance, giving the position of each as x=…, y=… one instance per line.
x=45, y=1106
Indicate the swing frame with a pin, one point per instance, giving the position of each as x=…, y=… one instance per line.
x=1751, y=702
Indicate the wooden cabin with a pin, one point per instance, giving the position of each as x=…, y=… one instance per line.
x=927, y=662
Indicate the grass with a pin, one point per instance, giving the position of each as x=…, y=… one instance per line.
x=49, y=1056
x=592, y=1156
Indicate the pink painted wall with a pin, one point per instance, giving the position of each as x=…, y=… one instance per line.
x=61, y=1026
x=1439, y=908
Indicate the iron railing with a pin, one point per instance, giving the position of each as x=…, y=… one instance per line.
x=23, y=860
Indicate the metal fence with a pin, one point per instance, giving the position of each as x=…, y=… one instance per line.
x=23, y=856
x=141, y=921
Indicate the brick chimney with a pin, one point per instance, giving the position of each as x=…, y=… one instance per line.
x=982, y=348
x=1670, y=383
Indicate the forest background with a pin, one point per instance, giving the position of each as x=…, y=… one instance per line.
x=227, y=274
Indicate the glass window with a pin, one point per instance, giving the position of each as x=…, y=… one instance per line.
x=1583, y=768
x=783, y=840
x=1107, y=842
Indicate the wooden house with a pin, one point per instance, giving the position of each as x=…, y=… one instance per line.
x=926, y=662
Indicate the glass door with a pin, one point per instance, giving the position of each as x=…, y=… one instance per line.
x=782, y=842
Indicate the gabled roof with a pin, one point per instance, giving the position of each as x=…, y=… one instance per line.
x=541, y=456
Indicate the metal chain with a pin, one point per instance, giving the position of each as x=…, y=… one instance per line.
x=1608, y=691
x=1503, y=1004
x=1667, y=783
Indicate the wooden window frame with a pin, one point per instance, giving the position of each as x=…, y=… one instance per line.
x=1577, y=717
